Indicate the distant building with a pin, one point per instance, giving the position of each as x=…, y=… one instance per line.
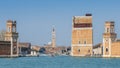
x=115, y=49
x=9, y=47
x=35, y=50
x=82, y=35
x=24, y=48
x=53, y=38
x=111, y=46
x=98, y=50
x=5, y=48
x=59, y=50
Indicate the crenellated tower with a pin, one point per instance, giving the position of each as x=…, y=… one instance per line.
x=82, y=36
x=109, y=36
x=12, y=35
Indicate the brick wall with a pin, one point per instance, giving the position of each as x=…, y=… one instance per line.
x=82, y=36
x=115, y=49
x=4, y=49
x=82, y=50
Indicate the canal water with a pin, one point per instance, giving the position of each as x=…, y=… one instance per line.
x=59, y=62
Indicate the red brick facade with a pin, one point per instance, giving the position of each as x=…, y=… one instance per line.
x=5, y=48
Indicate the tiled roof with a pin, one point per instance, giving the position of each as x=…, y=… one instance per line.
x=24, y=44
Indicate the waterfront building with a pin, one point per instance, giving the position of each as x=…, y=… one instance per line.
x=24, y=48
x=82, y=35
x=115, y=49
x=35, y=50
x=98, y=50
x=5, y=50
x=9, y=47
x=109, y=36
x=59, y=50
x=111, y=46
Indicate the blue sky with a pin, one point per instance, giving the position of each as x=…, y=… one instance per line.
x=35, y=18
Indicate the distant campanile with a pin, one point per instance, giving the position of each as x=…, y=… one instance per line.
x=53, y=37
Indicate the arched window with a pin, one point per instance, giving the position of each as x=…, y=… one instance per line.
x=106, y=49
x=14, y=29
x=84, y=42
x=106, y=40
x=78, y=50
x=14, y=39
x=14, y=48
x=79, y=42
x=88, y=51
x=112, y=30
x=107, y=29
x=9, y=29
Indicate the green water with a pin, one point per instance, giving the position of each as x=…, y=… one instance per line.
x=59, y=62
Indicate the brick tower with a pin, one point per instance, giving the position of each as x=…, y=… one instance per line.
x=109, y=36
x=53, y=37
x=82, y=35
x=12, y=35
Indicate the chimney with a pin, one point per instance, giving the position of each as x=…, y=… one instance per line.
x=88, y=14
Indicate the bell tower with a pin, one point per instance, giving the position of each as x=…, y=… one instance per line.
x=53, y=37
x=12, y=36
x=109, y=36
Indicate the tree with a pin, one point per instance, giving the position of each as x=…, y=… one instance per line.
x=2, y=35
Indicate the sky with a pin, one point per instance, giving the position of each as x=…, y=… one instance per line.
x=36, y=18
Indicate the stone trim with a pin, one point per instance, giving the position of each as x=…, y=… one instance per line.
x=82, y=44
x=82, y=28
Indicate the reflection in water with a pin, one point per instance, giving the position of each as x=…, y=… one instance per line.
x=59, y=62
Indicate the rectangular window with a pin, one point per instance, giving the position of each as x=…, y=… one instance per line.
x=79, y=42
x=84, y=42
x=107, y=30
